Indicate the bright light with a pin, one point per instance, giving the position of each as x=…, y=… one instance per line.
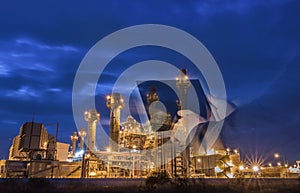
x=235, y=151
x=270, y=165
x=230, y=163
x=228, y=149
x=107, y=97
x=276, y=155
x=198, y=160
x=134, y=146
x=79, y=153
x=255, y=168
x=285, y=165
x=218, y=170
x=108, y=149
x=241, y=168
x=279, y=164
x=210, y=152
x=229, y=175
x=92, y=174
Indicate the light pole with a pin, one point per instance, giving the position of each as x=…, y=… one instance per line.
x=279, y=164
x=241, y=169
x=228, y=151
x=255, y=170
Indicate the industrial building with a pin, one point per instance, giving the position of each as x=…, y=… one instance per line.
x=136, y=150
x=36, y=153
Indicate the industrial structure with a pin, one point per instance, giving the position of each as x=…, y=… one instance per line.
x=159, y=146
x=74, y=139
x=33, y=142
x=82, y=135
x=92, y=117
x=183, y=84
x=115, y=103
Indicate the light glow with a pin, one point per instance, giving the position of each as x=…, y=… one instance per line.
x=255, y=168
x=279, y=164
x=241, y=168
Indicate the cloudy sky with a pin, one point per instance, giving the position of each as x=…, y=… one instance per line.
x=255, y=43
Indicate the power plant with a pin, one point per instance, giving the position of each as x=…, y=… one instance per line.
x=160, y=146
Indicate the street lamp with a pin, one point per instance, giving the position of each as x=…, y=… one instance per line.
x=228, y=150
x=241, y=168
x=279, y=164
x=255, y=169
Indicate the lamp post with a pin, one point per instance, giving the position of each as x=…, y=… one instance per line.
x=279, y=164
x=255, y=170
x=241, y=169
x=228, y=150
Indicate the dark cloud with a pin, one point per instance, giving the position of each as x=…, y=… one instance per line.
x=271, y=120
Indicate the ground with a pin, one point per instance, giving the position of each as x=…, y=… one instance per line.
x=139, y=185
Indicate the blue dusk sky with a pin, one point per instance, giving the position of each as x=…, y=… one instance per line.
x=255, y=43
